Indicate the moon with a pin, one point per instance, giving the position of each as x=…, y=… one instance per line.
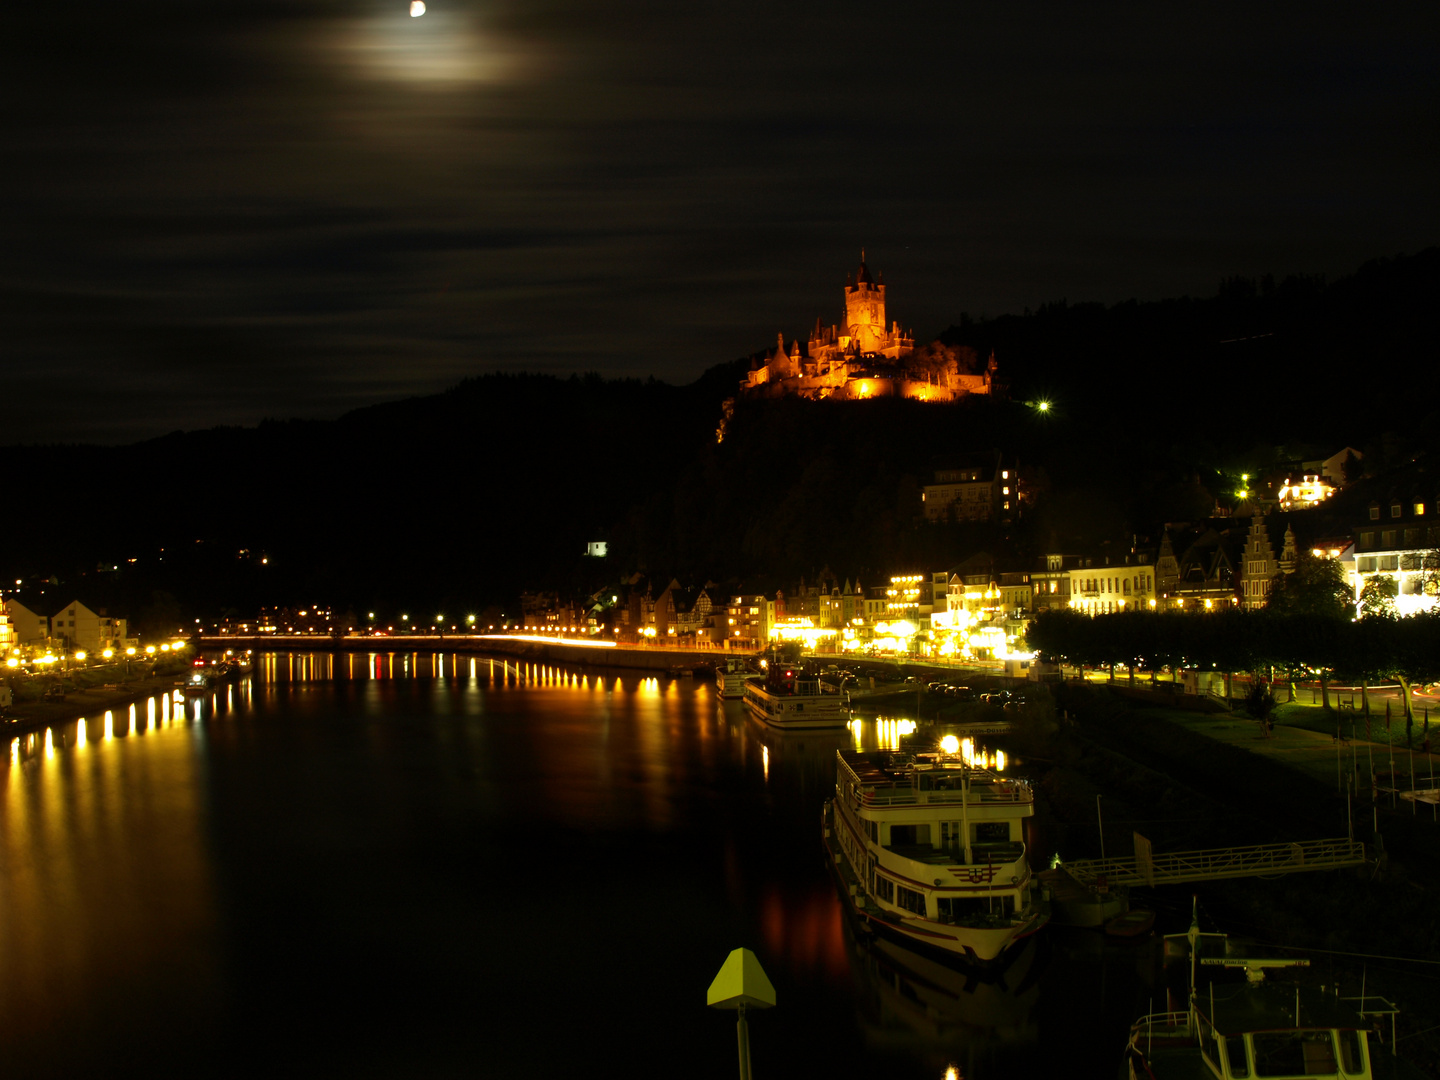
x=417, y=8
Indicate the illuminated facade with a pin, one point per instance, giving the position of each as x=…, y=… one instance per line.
x=1400, y=540
x=81, y=627
x=864, y=359
x=1304, y=493
x=27, y=627
x=1259, y=565
x=1106, y=583
x=983, y=489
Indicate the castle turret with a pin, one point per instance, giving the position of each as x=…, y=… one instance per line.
x=865, y=311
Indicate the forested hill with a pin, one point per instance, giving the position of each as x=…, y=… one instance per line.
x=467, y=497
x=1279, y=361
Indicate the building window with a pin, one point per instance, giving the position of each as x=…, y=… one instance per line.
x=1394, y=510
x=1387, y=538
x=1366, y=565
x=1419, y=509
x=1374, y=513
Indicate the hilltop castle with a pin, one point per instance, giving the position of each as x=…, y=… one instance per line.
x=862, y=359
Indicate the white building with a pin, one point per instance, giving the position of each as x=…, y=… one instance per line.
x=1109, y=582
x=1399, y=540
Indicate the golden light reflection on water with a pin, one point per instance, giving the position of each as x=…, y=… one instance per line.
x=106, y=902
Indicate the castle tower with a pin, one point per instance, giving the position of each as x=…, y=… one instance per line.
x=865, y=311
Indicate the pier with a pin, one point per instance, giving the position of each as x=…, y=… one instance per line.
x=1214, y=864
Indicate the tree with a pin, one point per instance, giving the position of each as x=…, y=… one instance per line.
x=1308, y=604
x=1316, y=589
x=1377, y=598
x=1260, y=703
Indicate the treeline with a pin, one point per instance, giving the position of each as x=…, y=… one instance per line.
x=1370, y=650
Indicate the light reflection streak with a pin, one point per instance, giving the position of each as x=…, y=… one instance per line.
x=49, y=744
x=765, y=762
x=80, y=733
x=109, y=726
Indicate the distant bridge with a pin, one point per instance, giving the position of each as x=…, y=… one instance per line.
x=1261, y=860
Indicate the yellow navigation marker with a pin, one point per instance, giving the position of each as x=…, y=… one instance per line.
x=742, y=984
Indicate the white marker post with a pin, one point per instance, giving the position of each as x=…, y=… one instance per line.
x=741, y=984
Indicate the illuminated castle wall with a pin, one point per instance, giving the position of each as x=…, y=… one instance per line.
x=862, y=359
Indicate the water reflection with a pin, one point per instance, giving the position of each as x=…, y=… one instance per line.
x=985, y=1021
x=326, y=856
x=106, y=903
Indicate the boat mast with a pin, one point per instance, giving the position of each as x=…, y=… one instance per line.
x=965, y=812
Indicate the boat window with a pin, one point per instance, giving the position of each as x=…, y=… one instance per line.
x=1235, y=1058
x=992, y=832
x=910, y=900
x=965, y=909
x=909, y=834
x=885, y=889
x=1294, y=1053
x=1352, y=1057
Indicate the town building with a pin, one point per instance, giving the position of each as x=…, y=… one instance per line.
x=1258, y=566
x=1113, y=580
x=29, y=627
x=1208, y=575
x=1050, y=581
x=745, y=620
x=1400, y=541
x=983, y=488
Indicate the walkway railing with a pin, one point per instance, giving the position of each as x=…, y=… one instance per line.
x=1216, y=863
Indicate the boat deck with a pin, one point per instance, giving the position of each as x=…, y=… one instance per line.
x=999, y=854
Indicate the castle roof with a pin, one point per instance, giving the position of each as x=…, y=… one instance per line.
x=863, y=274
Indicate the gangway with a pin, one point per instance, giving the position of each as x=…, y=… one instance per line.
x=1213, y=864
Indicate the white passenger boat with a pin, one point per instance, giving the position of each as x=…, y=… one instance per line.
x=931, y=851
x=790, y=700
x=731, y=675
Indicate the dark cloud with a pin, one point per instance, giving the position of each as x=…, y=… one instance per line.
x=224, y=211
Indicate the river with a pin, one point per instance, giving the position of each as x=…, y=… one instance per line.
x=406, y=864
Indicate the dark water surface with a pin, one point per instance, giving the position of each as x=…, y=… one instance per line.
x=409, y=865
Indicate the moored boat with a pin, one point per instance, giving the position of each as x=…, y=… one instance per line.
x=790, y=700
x=731, y=676
x=930, y=852
x=1134, y=923
x=1260, y=1029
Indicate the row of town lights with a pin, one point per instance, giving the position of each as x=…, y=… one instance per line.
x=107, y=654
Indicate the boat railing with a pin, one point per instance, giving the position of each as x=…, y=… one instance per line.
x=877, y=796
x=1166, y=1025
x=988, y=861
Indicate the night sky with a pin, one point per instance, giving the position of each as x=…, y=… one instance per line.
x=217, y=212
